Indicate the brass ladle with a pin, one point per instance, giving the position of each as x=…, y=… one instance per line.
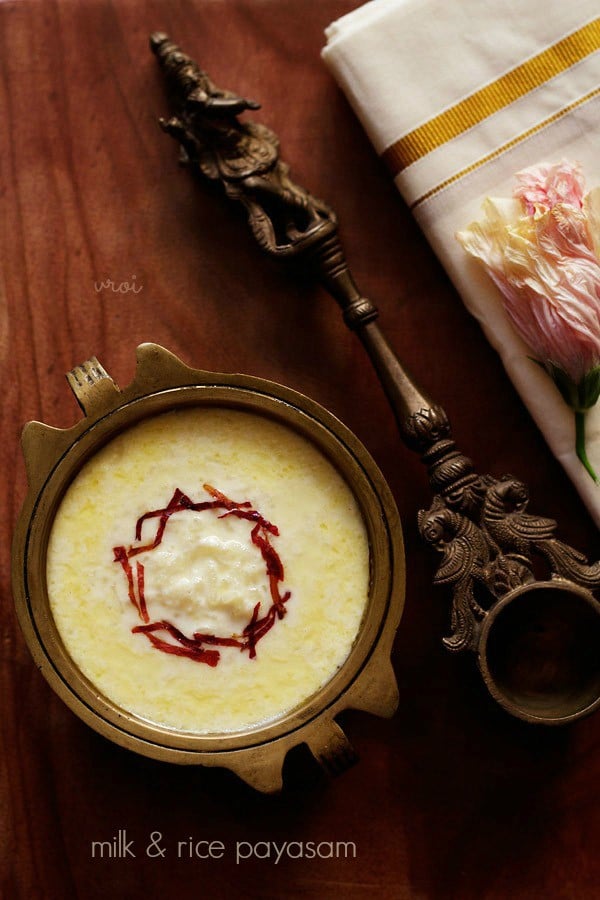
x=537, y=641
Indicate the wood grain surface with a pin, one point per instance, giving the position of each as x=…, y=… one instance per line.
x=452, y=799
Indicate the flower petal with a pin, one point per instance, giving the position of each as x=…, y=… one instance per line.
x=591, y=208
x=541, y=187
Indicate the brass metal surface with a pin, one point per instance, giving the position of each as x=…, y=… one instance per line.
x=162, y=382
x=479, y=524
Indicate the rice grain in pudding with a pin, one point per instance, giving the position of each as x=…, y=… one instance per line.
x=254, y=564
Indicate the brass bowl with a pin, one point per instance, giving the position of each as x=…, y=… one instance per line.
x=162, y=382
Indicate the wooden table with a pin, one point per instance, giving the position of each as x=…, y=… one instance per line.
x=452, y=798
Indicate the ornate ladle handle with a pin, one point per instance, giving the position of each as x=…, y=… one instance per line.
x=537, y=640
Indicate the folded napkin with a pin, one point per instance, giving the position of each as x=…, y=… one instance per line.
x=458, y=96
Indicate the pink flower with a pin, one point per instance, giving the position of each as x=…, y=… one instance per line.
x=542, y=258
x=542, y=252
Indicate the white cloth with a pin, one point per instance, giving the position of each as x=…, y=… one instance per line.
x=467, y=93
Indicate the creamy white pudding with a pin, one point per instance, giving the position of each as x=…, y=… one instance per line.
x=208, y=570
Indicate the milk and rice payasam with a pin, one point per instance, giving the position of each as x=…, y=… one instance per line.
x=208, y=570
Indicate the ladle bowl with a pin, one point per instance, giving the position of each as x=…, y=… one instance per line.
x=538, y=652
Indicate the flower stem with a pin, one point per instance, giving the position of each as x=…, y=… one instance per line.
x=580, y=443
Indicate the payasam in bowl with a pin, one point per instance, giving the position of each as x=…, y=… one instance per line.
x=209, y=568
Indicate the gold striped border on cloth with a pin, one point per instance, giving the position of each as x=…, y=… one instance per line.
x=492, y=97
x=507, y=146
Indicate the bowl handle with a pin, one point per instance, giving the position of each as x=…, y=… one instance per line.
x=92, y=385
x=331, y=748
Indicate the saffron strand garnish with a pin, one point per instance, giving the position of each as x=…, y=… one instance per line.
x=194, y=648
x=186, y=648
x=121, y=557
x=141, y=592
